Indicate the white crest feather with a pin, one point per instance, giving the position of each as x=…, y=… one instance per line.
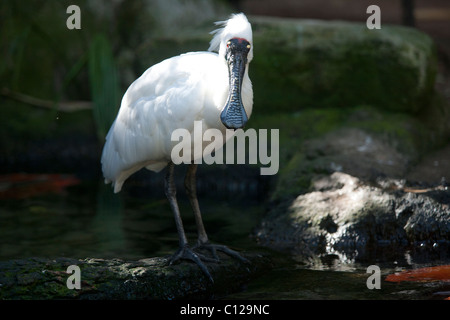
x=236, y=26
x=214, y=44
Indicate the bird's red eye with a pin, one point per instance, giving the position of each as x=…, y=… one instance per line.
x=228, y=43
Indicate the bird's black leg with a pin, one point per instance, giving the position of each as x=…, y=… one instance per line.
x=191, y=190
x=184, y=251
x=203, y=242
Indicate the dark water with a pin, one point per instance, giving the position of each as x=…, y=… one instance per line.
x=324, y=283
x=87, y=220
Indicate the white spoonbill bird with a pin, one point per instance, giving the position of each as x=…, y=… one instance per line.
x=213, y=88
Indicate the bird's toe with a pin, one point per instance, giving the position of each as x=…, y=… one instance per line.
x=213, y=248
x=186, y=253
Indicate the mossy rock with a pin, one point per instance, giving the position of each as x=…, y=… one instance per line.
x=308, y=63
x=363, y=141
x=153, y=278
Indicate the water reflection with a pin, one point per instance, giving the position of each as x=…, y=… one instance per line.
x=89, y=220
x=107, y=222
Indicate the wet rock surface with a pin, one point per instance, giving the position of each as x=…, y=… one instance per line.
x=348, y=217
x=40, y=278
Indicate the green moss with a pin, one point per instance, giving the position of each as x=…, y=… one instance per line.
x=294, y=130
x=304, y=64
x=164, y=48
x=296, y=127
x=405, y=133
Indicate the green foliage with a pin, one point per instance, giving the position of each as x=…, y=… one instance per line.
x=104, y=84
x=43, y=59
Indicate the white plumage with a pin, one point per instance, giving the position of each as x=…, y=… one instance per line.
x=171, y=95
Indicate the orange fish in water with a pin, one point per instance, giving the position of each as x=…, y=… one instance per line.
x=23, y=185
x=438, y=273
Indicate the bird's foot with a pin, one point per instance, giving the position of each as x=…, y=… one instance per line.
x=187, y=253
x=213, y=248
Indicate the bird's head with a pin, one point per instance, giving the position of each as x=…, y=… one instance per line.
x=234, y=43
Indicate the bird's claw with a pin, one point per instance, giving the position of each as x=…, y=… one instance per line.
x=213, y=248
x=187, y=253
